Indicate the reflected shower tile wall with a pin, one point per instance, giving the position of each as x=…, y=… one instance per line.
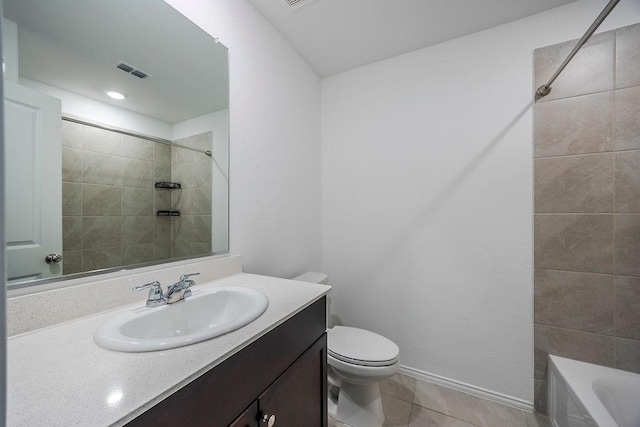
x=161, y=200
x=71, y=165
x=137, y=148
x=101, y=232
x=137, y=173
x=109, y=200
x=587, y=208
x=137, y=201
x=71, y=134
x=99, y=168
x=72, y=233
x=101, y=200
x=71, y=198
x=137, y=254
x=101, y=141
x=193, y=170
x=139, y=230
x=97, y=259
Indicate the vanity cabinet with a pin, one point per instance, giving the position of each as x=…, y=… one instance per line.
x=282, y=373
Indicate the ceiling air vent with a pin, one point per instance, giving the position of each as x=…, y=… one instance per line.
x=296, y=4
x=125, y=67
x=130, y=69
x=139, y=74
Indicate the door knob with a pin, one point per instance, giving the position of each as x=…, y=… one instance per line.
x=269, y=420
x=52, y=258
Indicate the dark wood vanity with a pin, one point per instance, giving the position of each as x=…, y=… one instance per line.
x=281, y=376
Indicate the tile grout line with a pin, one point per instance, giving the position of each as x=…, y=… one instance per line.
x=591, y=153
x=587, y=332
x=587, y=272
x=444, y=414
x=586, y=213
x=615, y=187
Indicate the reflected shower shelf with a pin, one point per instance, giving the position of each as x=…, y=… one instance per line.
x=169, y=185
x=168, y=213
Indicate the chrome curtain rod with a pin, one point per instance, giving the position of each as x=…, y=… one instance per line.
x=546, y=88
x=135, y=135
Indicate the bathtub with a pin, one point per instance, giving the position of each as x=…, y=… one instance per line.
x=586, y=395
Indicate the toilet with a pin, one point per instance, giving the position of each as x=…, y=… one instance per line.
x=358, y=360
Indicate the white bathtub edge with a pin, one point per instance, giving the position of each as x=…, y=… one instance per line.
x=578, y=378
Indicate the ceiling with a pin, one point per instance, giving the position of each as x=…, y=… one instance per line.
x=336, y=35
x=75, y=45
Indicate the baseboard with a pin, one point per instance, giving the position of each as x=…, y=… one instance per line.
x=467, y=388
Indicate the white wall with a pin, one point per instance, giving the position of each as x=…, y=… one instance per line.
x=84, y=108
x=275, y=140
x=427, y=198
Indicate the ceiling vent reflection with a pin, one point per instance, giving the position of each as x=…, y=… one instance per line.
x=134, y=71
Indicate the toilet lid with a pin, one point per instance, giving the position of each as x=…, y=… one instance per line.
x=361, y=347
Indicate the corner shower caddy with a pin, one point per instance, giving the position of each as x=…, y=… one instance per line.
x=165, y=185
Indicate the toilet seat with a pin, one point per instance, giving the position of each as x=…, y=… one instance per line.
x=361, y=347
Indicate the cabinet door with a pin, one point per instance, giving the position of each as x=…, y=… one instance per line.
x=248, y=418
x=299, y=396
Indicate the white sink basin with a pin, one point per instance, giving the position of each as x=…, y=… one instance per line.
x=206, y=314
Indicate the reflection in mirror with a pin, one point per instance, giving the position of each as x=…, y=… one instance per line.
x=95, y=183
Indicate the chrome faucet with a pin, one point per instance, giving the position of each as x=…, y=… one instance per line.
x=176, y=292
x=179, y=291
x=155, y=298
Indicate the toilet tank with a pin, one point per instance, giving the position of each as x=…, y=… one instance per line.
x=313, y=277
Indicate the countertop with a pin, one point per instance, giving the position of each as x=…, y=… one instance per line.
x=58, y=376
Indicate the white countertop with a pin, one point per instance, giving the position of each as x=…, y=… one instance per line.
x=58, y=376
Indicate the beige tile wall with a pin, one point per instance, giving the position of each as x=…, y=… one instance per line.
x=192, y=230
x=587, y=205
x=109, y=200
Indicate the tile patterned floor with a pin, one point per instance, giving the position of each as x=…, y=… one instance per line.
x=408, y=402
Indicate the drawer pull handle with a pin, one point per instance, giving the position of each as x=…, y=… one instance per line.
x=269, y=420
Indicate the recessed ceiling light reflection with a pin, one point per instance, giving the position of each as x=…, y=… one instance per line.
x=114, y=398
x=115, y=95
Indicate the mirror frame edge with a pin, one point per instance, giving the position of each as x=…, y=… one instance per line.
x=43, y=285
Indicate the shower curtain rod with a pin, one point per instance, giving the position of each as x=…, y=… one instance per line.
x=135, y=135
x=546, y=88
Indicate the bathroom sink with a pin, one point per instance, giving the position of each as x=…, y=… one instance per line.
x=207, y=314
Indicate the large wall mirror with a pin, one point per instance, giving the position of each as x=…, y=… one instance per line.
x=96, y=183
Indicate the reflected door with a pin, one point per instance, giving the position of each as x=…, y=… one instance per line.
x=33, y=183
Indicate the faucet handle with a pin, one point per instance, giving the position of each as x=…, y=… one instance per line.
x=186, y=276
x=153, y=285
x=156, y=297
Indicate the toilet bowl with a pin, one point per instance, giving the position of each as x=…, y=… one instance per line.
x=358, y=360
